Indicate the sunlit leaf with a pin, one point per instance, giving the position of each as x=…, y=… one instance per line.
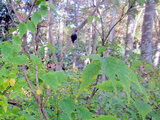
x=22, y=29
x=31, y=26
x=36, y=17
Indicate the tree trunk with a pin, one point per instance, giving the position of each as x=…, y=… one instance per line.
x=146, y=41
x=94, y=37
x=130, y=28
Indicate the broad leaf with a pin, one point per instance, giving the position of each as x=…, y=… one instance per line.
x=68, y=106
x=22, y=29
x=143, y=108
x=108, y=86
x=31, y=26
x=43, y=10
x=90, y=73
x=53, y=79
x=35, y=60
x=84, y=113
x=36, y=17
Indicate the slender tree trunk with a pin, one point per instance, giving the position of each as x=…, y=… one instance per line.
x=111, y=36
x=130, y=28
x=94, y=37
x=146, y=42
x=113, y=20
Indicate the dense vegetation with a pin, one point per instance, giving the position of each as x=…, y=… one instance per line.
x=44, y=75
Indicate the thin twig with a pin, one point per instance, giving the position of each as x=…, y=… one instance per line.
x=45, y=100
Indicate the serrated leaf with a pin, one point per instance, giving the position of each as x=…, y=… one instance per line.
x=19, y=60
x=68, y=106
x=105, y=117
x=22, y=29
x=143, y=108
x=35, y=60
x=43, y=10
x=53, y=79
x=108, y=86
x=51, y=47
x=84, y=113
x=115, y=67
x=90, y=73
x=36, y=17
x=31, y=27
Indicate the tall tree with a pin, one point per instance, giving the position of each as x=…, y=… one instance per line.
x=146, y=41
x=130, y=27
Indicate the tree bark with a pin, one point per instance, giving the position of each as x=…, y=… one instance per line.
x=130, y=28
x=146, y=41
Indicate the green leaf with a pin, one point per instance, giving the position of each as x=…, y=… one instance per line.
x=117, y=68
x=8, y=51
x=53, y=8
x=105, y=117
x=22, y=29
x=141, y=2
x=43, y=10
x=4, y=103
x=39, y=1
x=108, y=86
x=90, y=19
x=90, y=73
x=13, y=29
x=5, y=84
x=31, y=26
x=101, y=49
x=20, y=60
x=143, y=108
x=15, y=110
x=35, y=60
x=17, y=40
x=53, y=79
x=36, y=17
x=51, y=47
x=68, y=106
x=84, y=113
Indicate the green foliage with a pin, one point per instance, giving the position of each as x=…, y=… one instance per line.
x=107, y=117
x=22, y=29
x=90, y=19
x=43, y=9
x=90, y=73
x=143, y=108
x=31, y=26
x=84, y=113
x=51, y=48
x=54, y=79
x=67, y=106
x=36, y=17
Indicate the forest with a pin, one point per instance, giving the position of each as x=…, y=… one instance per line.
x=79, y=60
